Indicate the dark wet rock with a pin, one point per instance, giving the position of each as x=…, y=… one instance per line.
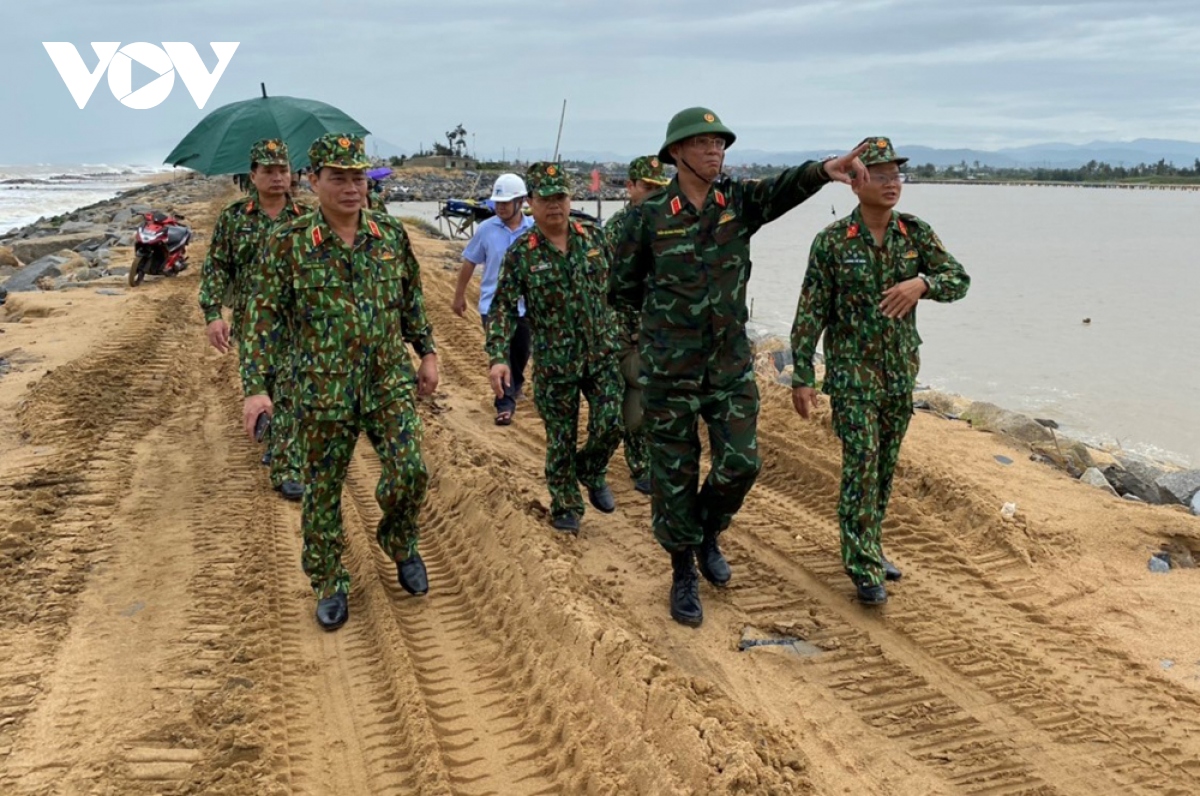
x=1179, y=487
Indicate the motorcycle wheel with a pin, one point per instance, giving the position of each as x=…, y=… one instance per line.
x=137, y=272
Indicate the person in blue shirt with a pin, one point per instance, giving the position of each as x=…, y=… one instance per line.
x=487, y=248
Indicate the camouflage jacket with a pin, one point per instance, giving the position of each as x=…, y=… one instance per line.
x=348, y=310
x=564, y=292
x=686, y=271
x=867, y=354
x=237, y=241
x=629, y=318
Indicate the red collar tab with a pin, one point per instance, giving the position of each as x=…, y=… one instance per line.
x=316, y=236
x=579, y=228
x=533, y=241
x=296, y=208
x=852, y=232
x=720, y=199
x=374, y=228
x=250, y=206
x=903, y=229
x=676, y=206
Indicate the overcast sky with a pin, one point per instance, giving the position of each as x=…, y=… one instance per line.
x=783, y=75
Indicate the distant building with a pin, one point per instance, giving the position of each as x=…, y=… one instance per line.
x=442, y=162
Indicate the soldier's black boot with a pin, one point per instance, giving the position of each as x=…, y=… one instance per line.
x=713, y=565
x=333, y=611
x=890, y=571
x=411, y=574
x=871, y=594
x=685, y=590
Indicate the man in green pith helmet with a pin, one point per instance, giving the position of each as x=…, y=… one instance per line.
x=345, y=283
x=646, y=177
x=560, y=267
x=866, y=274
x=237, y=243
x=683, y=263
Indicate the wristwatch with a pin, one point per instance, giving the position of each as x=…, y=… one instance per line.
x=925, y=278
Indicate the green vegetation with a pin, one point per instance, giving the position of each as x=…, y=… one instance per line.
x=1161, y=172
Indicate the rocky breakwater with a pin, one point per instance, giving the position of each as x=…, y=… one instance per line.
x=94, y=242
x=1116, y=472
x=438, y=185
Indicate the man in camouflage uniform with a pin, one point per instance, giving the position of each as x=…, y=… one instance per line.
x=646, y=178
x=237, y=243
x=343, y=285
x=561, y=268
x=865, y=275
x=683, y=262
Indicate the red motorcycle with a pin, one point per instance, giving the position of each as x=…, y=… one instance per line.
x=159, y=247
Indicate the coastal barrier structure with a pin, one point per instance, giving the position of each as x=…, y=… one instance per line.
x=1129, y=186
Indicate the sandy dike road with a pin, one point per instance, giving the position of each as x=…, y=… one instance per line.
x=157, y=633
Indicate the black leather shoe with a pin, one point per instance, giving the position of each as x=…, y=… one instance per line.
x=567, y=523
x=411, y=574
x=332, y=612
x=266, y=459
x=685, y=590
x=291, y=490
x=869, y=594
x=713, y=565
x=643, y=485
x=890, y=572
x=602, y=498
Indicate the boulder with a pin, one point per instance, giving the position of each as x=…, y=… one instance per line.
x=32, y=249
x=8, y=258
x=73, y=227
x=123, y=215
x=989, y=417
x=1128, y=483
x=1093, y=477
x=1195, y=497
x=1179, y=487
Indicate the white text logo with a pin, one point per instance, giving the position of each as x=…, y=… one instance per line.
x=165, y=61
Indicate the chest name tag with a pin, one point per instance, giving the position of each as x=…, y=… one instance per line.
x=855, y=261
x=670, y=233
x=539, y=268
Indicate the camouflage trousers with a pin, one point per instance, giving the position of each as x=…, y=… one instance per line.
x=395, y=433
x=557, y=401
x=287, y=460
x=871, y=432
x=681, y=509
x=637, y=455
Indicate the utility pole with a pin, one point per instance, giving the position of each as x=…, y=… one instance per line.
x=558, y=140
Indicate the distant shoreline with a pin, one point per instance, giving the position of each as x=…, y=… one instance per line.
x=1138, y=186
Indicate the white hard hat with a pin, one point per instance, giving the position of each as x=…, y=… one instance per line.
x=507, y=188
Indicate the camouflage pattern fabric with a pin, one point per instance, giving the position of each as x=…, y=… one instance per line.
x=871, y=361
x=339, y=151
x=574, y=340
x=395, y=432
x=879, y=151
x=547, y=179
x=871, y=432
x=238, y=241
x=649, y=169
x=685, y=270
x=637, y=453
x=867, y=354
x=269, y=152
x=347, y=312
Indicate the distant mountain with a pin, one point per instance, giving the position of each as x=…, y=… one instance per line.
x=1050, y=155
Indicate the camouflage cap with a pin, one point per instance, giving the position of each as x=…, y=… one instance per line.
x=879, y=150
x=547, y=179
x=269, y=152
x=340, y=151
x=649, y=169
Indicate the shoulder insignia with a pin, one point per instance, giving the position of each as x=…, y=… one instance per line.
x=676, y=205
x=250, y=206
x=374, y=228
x=296, y=209
x=533, y=241
x=852, y=232
x=720, y=199
x=726, y=217
x=903, y=228
x=316, y=236
x=579, y=228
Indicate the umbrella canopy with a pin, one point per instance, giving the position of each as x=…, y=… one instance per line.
x=220, y=143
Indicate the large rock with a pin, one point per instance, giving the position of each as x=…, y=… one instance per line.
x=1179, y=487
x=1129, y=482
x=989, y=417
x=64, y=263
x=1093, y=477
x=8, y=258
x=32, y=249
x=1066, y=454
x=74, y=227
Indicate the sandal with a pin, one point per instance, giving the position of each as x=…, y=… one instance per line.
x=504, y=418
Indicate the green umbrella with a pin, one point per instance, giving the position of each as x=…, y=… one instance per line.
x=220, y=143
